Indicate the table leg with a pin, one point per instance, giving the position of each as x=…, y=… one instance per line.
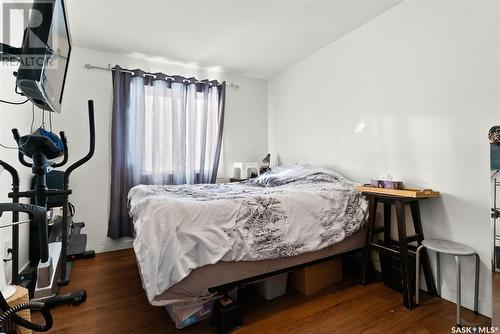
x=417, y=223
x=387, y=223
x=438, y=274
x=476, y=284
x=459, y=291
x=403, y=256
x=372, y=212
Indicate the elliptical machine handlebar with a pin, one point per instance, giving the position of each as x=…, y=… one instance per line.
x=20, y=155
x=13, y=173
x=89, y=155
x=66, y=155
x=64, y=140
x=64, y=279
x=25, y=163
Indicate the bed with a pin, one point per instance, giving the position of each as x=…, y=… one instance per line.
x=190, y=238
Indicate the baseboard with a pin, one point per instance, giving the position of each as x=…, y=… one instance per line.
x=111, y=245
x=450, y=294
x=23, y=268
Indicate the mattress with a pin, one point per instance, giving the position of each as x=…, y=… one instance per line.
x=280, y=215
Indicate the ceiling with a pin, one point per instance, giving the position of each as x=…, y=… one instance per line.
x=255, y=38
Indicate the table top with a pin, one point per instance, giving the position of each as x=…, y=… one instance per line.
x=398, y=193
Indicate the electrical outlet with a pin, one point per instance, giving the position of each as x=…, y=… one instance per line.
x=7, y=246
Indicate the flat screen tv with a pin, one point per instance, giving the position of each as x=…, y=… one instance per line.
x=44, y=55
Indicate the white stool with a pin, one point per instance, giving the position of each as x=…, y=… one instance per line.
x=457, y=250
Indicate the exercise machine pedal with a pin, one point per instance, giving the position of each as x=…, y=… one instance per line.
x=71, y=298
x=77, y=244
x=90, y=254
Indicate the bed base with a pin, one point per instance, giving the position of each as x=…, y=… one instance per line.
x=226, y=319
x=225, y=288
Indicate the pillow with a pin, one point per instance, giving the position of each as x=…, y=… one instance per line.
x=296, y=173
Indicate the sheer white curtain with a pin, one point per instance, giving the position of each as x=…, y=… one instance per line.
x=174, y=132
x=166, y=130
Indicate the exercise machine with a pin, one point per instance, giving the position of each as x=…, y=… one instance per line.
x=77, y=241
x=38, y=216
x=43, y=277
x=52, y=248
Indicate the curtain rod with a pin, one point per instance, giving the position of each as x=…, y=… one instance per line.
x=109, y=68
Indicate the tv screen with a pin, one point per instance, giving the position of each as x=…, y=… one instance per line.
x=45, y=55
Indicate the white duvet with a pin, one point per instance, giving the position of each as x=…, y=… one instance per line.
x=285, y=212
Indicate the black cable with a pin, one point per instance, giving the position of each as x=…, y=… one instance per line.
x=72, y=209
x=32, y=118
x=10, y=313
x=8, y=147
x=31, y=131
x=32, y=121
x=14, y=103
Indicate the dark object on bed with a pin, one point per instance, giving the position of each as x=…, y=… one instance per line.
x=267, y=159
x=266, y=163
x=226, y=316
x=237, y=179
x=264, y=169
x=391, y=271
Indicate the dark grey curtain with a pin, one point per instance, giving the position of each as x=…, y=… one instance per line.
x=221, y=111
x=165, y=130
x=119, y=224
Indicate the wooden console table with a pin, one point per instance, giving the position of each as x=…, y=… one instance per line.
x=401, y=248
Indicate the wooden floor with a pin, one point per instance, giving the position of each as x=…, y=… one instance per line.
x=117, y=304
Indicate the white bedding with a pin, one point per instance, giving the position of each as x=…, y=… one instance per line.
x=285, y=212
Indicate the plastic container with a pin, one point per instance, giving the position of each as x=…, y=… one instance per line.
x=391, y=271
x=188, y=313
x=272, y=287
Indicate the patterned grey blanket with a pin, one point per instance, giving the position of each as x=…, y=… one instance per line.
x=285, y=212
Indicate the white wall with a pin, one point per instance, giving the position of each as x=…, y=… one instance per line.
x=411, y=93
x=245, y=131
x=12, y=116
